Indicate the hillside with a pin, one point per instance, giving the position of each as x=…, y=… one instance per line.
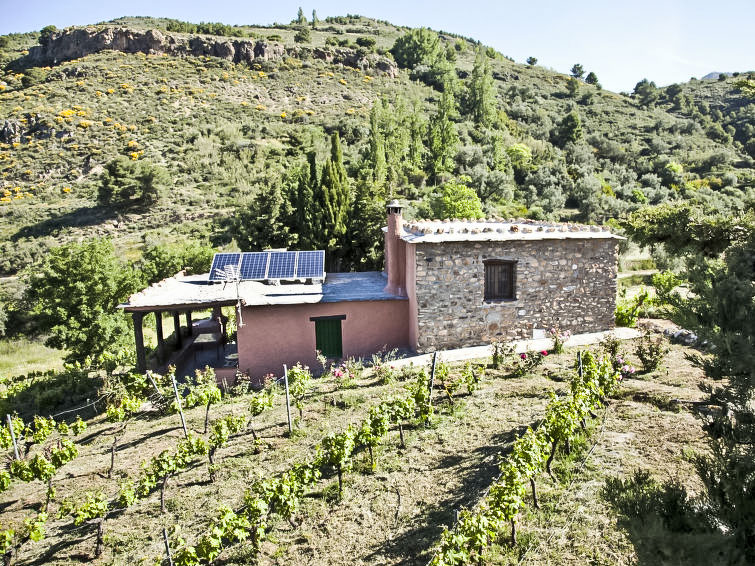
x=225, y=132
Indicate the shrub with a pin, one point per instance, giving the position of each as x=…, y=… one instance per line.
x=526, y=362
x=366, y=42
x=652, y=351
x=559, y=338
x=128, y=182
x=303, y=36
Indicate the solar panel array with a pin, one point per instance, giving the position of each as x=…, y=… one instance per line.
x=258, y=266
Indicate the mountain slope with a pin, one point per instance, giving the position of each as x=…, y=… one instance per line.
x=226, y=131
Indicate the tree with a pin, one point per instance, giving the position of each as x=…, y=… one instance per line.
x=720, y=308
x=577, y=71
x=480, y=101
x=646, y=92
x=332, y=200
x=365, y=234
x=572, y=85
x=264, y=223
x=570, y=129
x=314, y=19
x=416, y=47
x=592, y=79
x=305, y=215
x=45, y=35
x=443, y=138
x=164, y=260
x=74, y=295
x=300, y=18
x=457, y=200
x=303, y=36
x=531, y=61
x=126, y=182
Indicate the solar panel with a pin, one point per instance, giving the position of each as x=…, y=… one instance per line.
x=225, y=266
x=258, y=266
x=282, y=265
x=254, y=265
x=311, y=265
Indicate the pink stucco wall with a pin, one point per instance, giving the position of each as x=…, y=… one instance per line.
x=284, y=334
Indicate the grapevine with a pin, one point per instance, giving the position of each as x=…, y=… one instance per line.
x=475, y=530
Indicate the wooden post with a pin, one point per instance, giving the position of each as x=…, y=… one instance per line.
x=141, y=357
x=288, y=399
x=167, y=547
x=178, y=402
x=177, y=329
x=189, y=329
x=13, y=437
x=152, y=381
x=432, y=372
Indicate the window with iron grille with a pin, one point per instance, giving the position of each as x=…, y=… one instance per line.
x=500, y=280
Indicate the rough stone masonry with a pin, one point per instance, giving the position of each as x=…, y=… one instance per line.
x=564, y=283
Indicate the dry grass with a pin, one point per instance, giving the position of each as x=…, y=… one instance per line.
x=396, y=514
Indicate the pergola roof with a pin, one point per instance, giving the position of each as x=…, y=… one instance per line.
x=190, y=292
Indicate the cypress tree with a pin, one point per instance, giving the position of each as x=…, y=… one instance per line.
x=332, y=203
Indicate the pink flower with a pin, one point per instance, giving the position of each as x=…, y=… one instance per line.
x=523, y=356
x=544, y=352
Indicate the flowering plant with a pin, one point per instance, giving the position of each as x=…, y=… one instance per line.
x=625, y=370
x=528, y=361
x=559, y=338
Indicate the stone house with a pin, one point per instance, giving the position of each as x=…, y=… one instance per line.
x=447, y=284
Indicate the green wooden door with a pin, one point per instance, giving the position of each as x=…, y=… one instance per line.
x=328, y=337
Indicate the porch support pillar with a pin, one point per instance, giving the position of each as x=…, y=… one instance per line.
x=141, y=356
x=177, y=329
x=190, y=330
x=160, y=339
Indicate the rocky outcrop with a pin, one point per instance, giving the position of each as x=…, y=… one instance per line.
x=75, y=43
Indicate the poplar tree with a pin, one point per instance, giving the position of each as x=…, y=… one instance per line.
x=376, y=156
x=442, y=135
x=480, y=95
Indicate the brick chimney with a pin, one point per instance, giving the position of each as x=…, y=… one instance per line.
x=395, y=250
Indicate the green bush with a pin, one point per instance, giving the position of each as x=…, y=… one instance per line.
x=131, y=182
x=652, y=351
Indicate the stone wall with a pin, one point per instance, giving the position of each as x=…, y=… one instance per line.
x=570, y=284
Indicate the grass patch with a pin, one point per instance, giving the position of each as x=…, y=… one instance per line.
x=21, y=355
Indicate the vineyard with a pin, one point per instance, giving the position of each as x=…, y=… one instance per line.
x=376, y=469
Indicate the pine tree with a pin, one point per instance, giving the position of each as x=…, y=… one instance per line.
x=314, y=19
x=443, y=138
x=577, y=71
x=300, y=19
x=480, y=96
